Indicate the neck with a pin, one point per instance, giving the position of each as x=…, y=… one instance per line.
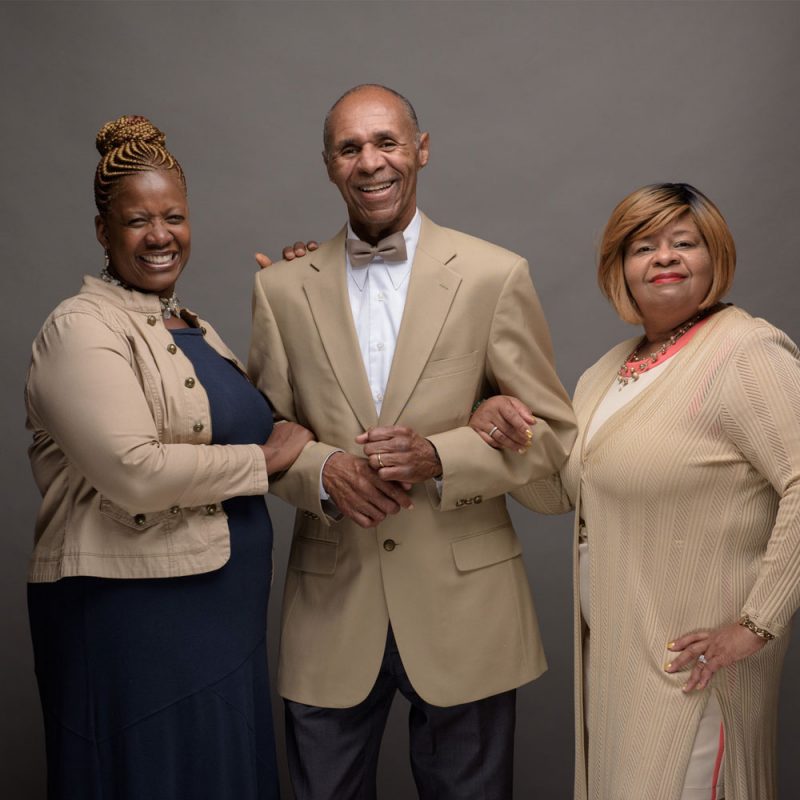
x=659, y=327
x=657, y=331
x=372, y=234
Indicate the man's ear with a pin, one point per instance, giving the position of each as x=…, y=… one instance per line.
x=423, y=150
x=326, y=161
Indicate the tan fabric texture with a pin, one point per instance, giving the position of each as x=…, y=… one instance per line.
x=691, y=496
x=129, y=488
x=452, y=580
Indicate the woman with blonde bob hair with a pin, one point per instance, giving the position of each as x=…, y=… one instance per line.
x=685, y=479
x=650, y=209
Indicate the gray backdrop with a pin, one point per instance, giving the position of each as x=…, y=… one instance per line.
x=542, y=116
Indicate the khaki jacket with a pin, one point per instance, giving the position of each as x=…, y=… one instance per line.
x=121, y=429
x=449, y=573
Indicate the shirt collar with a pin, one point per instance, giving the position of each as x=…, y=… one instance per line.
x=398, y=270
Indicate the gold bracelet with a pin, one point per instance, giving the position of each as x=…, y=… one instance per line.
x=762, y=633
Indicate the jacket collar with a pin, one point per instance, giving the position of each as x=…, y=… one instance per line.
x=130, y=299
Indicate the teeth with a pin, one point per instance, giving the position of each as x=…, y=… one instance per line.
x=158, y=260
x=378, y=188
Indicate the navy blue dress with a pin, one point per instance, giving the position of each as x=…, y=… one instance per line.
x=157, y=689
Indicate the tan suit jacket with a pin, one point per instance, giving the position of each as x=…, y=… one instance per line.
x=447, y=574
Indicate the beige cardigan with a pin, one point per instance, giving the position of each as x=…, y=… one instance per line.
x=691, y=498
x=121, y=429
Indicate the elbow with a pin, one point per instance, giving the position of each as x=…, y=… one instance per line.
x=139, y=481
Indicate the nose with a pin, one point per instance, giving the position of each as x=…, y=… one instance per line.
x=665, y=255
x=158, y=234
x=370, y=159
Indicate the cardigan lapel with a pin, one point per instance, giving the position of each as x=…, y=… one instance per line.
x=326, y=292
x=431, y=291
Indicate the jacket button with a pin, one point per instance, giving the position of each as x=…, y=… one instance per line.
x=171, y=348
x=197, y=427
x=211, y=510
x=203, y=330
x=151, y=320
x=478, y=498
x=389, y=545
x=140, y=519
x=174, y=509
x=188, y=383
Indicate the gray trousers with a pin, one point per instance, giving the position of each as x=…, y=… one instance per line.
x=463, y=752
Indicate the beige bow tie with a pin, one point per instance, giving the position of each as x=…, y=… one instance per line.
x=392, y=248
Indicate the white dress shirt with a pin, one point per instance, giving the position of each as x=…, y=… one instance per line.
x=377, y=299
x=377, y=294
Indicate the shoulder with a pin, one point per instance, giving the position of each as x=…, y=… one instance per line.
x=599, y=374
x=749, y=336
x=462, y=249
x=81, y=310
x=289, y=275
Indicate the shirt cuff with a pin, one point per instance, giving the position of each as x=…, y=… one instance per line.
x=328, y=506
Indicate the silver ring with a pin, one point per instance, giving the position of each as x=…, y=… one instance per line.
x=701, y=659
x=380, y=463
x=492, y=431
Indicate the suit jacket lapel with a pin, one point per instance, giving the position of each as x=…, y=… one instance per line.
x=326, y=291
x=431, y=291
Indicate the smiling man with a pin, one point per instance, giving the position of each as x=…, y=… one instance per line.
x=405, y=573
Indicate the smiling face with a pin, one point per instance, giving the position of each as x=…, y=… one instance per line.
x=373, y=159
x=669, y=273
x=146, y=231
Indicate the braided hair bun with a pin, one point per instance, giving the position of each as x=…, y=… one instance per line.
x=128, y=129
x=128, y=145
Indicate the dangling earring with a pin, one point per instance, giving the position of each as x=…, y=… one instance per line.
x=107, y=260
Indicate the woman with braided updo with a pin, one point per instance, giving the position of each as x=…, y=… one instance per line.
x=150, y=573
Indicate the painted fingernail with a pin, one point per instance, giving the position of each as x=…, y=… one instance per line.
x=670, y=645
x=529, y=433
x=668, y=667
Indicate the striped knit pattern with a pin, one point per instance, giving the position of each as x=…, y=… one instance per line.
x=691, y=499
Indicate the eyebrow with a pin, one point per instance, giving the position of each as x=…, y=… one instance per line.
x=376, y=136
x=679, y=232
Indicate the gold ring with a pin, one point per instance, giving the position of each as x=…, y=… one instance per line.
x=492, y=431
x=380, y=463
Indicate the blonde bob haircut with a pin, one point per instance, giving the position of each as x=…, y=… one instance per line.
x=647, y=211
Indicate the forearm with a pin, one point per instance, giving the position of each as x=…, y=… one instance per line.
x=472, y=468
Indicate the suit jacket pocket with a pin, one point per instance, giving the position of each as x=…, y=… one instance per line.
x=313, y=555
x=450, y=366
x=486, y=548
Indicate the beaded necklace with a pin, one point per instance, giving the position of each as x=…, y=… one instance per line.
x=169, y=305
x=635, y=364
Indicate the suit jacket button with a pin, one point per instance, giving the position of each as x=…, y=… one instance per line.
x=197, y=427
x=174, y=510
x=478, y=498
x=171, y=348
x=140, y=519
x=189, y=383
x=211, y=510
x=389, y=545
x=151, y=320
